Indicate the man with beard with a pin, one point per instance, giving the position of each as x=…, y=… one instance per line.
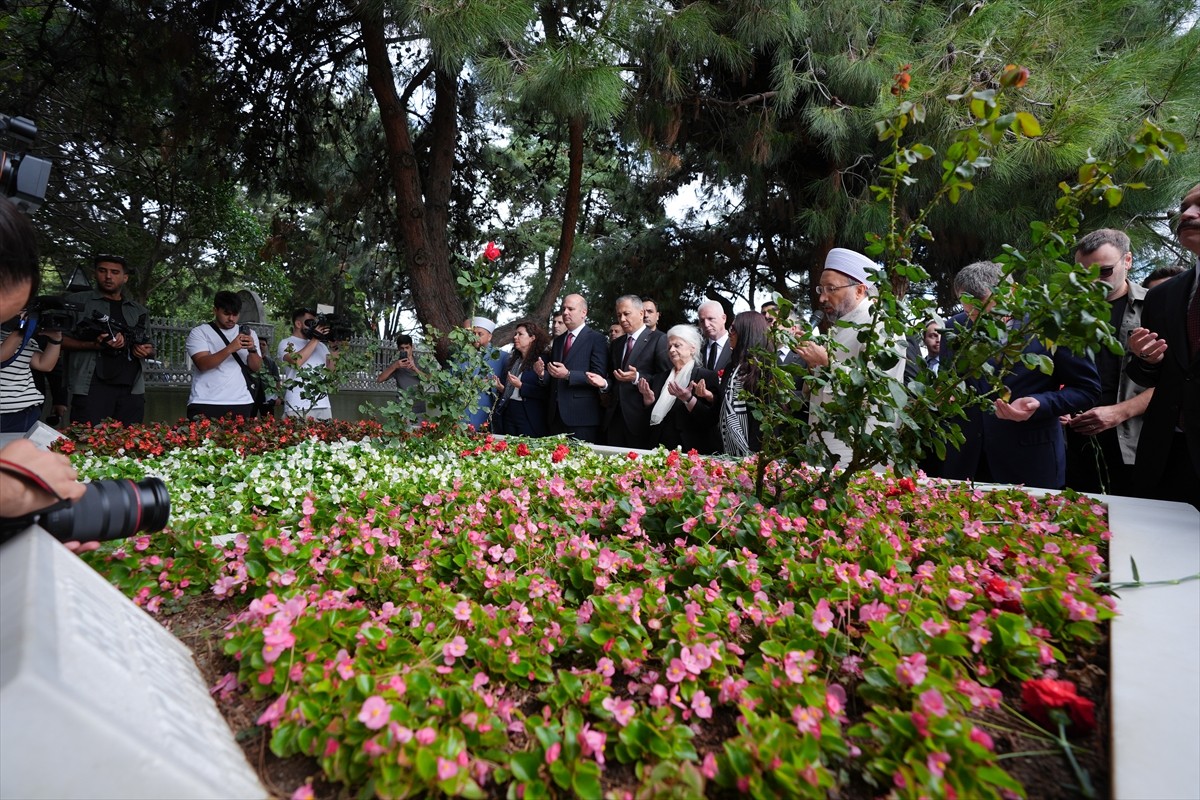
x=1167, y=357
x=843, y=296
x=105, y=373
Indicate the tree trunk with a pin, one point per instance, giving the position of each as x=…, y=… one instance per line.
x=572, y=203
x=422, y=206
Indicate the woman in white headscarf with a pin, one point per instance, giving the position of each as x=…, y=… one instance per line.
x=679, y=417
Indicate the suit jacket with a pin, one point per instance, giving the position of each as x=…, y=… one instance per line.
x=649, y=358
x=1176, y=380
x=683, y=428
x=722, y=357
x=527, y=416
x=577, y=401
x=1032, y=452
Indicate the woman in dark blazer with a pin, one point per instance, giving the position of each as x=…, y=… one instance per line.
x=678, y=418
x=522, y=408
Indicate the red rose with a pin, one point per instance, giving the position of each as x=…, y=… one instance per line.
x=1040, y=697
x=491, y=252
x=908, y=485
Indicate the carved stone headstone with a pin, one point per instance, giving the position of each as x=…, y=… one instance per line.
x=252, y=307
x=97, y=700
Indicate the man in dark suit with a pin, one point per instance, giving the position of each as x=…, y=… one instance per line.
x=1167, y=357
x=1020, y=439
x=574, y=354
x=640, y=353
x=716, y=351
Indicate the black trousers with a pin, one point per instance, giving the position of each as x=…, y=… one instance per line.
x=195, y=410
x=105, y=401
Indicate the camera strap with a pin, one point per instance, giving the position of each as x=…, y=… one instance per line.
x=246, y=373
x=30, y=329
x=28, y=476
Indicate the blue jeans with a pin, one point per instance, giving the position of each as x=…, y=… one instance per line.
x=20, y=421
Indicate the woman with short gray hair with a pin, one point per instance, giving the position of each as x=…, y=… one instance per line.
x=679, y=418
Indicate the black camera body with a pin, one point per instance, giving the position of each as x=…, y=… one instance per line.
x=23, y=178
x=90, y=329
x=52, y=313
x=108, y=510
x=339, y=328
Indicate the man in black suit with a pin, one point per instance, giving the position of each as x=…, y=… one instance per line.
x=640, y=353
x=574, y=355
x=1167, y=350
x=716, y=351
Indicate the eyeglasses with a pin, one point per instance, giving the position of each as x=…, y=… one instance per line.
x=1107, y=271
x=820, y=290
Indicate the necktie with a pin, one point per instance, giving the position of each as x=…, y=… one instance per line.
x=628, y=350
x=567, y=346
x=1193, y=324
x=713, y=347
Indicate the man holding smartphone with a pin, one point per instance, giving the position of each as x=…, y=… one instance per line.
x=222, y=355
x=405, y=372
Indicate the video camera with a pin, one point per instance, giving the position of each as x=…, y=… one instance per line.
x=339, y=328
x=52, y=313
x=23, y=178
x=108, y=510
x=100, y=324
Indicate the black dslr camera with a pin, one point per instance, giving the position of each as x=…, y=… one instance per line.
x=52, y=313
x=100, y=324
x=339, y=328
x=108, y=510
x=23, y=178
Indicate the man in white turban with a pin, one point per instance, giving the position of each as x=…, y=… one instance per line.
x=844, y=297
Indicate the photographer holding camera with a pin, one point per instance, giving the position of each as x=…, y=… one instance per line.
x=224, y=356
x=105, y=368
x=306, y=349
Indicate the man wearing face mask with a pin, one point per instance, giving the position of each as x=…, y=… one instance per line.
x=1102, y=441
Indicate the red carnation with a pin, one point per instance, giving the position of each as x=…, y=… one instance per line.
x=1043, y=696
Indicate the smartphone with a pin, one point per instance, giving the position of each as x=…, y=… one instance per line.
x=243, y=330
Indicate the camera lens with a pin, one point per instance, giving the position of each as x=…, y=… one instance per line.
x=111, y=510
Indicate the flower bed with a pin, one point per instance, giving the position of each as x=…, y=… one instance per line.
x=455, y=617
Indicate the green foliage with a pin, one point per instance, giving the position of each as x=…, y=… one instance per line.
x=880, y=419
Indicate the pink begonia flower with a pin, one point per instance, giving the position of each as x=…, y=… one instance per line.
x=273, y=713
x=911, y=670
x=875, y=611
x=708, y=767
x=702, y=705
x=446, y=769
x=932, y=627
x=303, y=792
x=591, y=743
x=225, y=686
x=622, y=710
x=980, y=636
x=455, y=648
x=658, y=695
x=932, y=703
x=462, y=611
x=375, y=712
x=605, y=667
x=697, y=658
x=676, y=671
x=553, y=752
x=481, y=680
x=835, y=700
x=822, y=618
x=937, y=763
x=426, y=736
x=956, y=599
x=982, y=738
x=808, y=720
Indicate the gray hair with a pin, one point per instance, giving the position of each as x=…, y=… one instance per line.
x=690, y=334
x=978, y=279
x=632, y=298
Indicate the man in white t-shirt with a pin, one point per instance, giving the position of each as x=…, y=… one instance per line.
x=304, y=349
x=221, y=354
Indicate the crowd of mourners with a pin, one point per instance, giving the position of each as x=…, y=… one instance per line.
x=1119, y=424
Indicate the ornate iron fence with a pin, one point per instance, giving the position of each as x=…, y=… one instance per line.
x=172, y=367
